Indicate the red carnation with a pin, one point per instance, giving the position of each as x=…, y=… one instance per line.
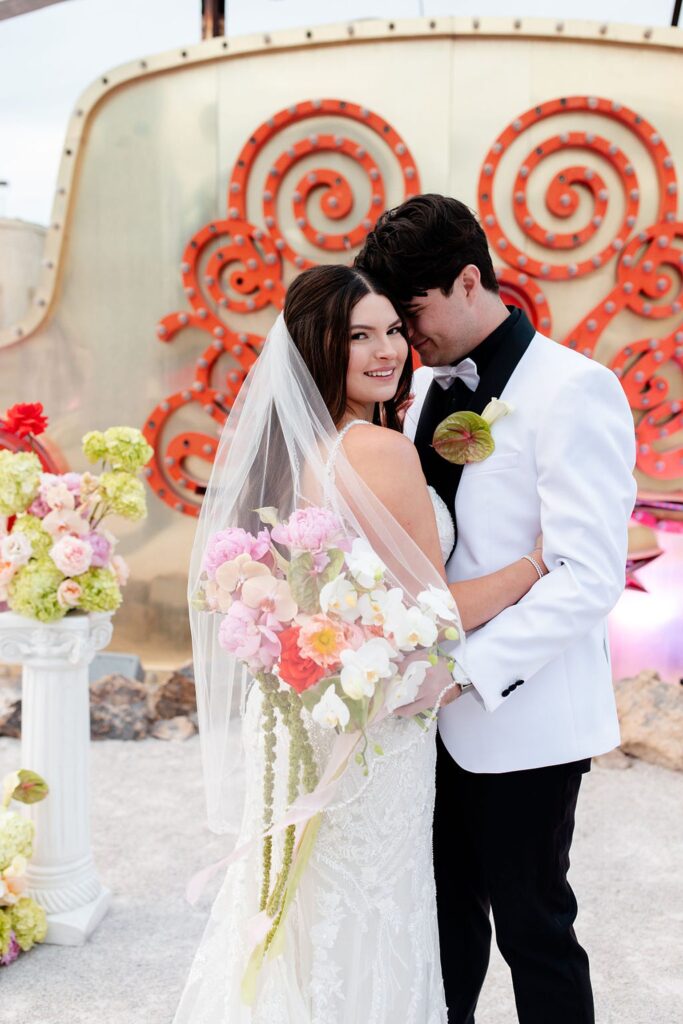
x=25, y=418
x=299, y=672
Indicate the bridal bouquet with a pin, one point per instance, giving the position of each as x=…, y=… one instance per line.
x=22, y=921
x=55, y=552
x=313, y=616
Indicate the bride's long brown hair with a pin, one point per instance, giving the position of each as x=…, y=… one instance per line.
x=318, y=308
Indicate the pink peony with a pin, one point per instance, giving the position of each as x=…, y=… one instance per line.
x=226, y=545
x=309, y=529
x=242, y=633
x=71, y=555
x=69, y=593
x=120, y=569
x=101, y=549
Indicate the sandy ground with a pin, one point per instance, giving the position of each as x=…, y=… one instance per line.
x=149, y=837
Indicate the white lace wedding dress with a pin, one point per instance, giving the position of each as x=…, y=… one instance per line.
x=360, y=939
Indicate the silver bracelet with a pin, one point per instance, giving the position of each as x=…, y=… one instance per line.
x=535, y=564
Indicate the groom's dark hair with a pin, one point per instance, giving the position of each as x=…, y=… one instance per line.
x=425, y=243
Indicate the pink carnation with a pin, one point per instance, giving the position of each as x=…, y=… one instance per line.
x=101, y=549
x=226, y=545
x=309, y=529
x=242, y=633
x=71, y=555
x=39, y=507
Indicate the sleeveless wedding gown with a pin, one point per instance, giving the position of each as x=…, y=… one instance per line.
x=361, y=938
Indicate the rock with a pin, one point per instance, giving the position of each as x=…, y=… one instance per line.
x=651, y=719
x=177, y=728
x=118, y=709
x=10, y=709
x=175, y=696
x=614, y=760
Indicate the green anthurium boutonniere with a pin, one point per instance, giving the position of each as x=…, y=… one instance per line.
x=465, y=437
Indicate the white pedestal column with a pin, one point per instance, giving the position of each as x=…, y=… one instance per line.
x=55, y=741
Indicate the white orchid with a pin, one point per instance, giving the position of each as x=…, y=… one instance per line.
x=404, y=689
x=379, y=605
x=438, y=602
x=331, y=712
x=411, y=628
x=365, y=566
x=16, y=549
x=340, y=597
x=362, y=669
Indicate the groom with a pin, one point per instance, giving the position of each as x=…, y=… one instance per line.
x=537, y=700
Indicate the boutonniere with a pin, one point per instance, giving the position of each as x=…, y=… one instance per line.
x=465, y=437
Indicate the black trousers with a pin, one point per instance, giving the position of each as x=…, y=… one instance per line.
x=501, y=844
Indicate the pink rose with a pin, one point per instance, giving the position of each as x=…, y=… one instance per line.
x=69, y=593
x=55, y=493
x=39, y=507
x=226, y=545
x=241, y=633
x=309, y=529
x=71, y=555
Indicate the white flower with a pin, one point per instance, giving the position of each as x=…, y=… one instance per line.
x=16, y=549
x=495, y=410
x=340, y=597
x=438, y=602
x=411, y=628
x=331, y=712
x=365, y=566
x=379, y=605
x=362, y=669
x=404, y=689
x=56, y=494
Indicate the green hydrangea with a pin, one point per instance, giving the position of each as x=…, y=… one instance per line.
x=99, y=591
x=29, y=922
x=94, y=445
x=19, y=481
x=33, y=590
x=16, y=837
x=127, y=448
x=5, y=930
x=124, y=494
x=41, y=540
x=122, y=447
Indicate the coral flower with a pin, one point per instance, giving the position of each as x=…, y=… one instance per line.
x=322, y=640
x=298, y=671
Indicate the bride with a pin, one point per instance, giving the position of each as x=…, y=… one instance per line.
x=318, y=423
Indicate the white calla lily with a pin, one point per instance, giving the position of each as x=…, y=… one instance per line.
x=495, y=410
x=331, y=712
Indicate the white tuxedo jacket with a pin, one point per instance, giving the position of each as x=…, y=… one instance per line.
x=563, y=466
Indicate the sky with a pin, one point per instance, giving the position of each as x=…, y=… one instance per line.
x=48, y=57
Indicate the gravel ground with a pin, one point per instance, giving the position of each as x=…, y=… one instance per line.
x=149, y=837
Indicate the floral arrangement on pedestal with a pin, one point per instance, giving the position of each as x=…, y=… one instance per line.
x=312, y=614
x=56, y=554
x=22, y=920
